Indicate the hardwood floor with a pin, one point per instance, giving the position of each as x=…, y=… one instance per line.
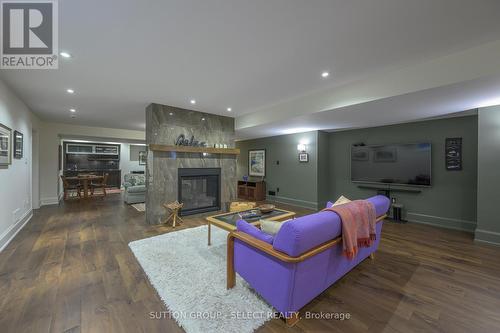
x=70, y=270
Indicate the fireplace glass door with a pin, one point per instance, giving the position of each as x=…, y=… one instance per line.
x=199, y=190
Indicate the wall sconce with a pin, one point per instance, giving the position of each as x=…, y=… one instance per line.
x=301, y=147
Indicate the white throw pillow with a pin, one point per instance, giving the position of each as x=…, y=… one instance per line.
x=342, y=200
x=270, y=227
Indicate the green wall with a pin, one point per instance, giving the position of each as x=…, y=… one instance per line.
x=450, y=202
x=324, y=174
x=297, y=182
x=488, y=194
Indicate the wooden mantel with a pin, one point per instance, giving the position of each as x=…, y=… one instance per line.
x=189, y=149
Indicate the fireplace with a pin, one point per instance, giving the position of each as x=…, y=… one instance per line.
x=199, y=190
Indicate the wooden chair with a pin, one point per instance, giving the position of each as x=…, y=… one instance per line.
x=99, y=185
x=70, y=188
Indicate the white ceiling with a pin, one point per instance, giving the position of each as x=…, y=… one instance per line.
x=238, y=53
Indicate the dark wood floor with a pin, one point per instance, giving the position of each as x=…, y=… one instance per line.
x=70, y=270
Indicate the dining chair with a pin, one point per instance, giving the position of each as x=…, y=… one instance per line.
x=70, y=188
x=101, y=184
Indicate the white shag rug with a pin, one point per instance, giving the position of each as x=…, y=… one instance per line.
x=140, y=207
x=190, y=278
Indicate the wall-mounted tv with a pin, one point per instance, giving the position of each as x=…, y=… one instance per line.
x=403, y=164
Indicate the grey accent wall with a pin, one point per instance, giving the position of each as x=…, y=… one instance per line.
x=163, y=125
x=297, y=182
x=488, y=184
x=450, y=202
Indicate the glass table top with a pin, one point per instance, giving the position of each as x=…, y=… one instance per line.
x=231, y=218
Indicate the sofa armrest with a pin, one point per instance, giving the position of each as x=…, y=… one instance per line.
x=268, y=249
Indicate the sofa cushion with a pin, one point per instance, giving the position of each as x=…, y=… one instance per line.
x=136, y=189
x=134, y=179
x=306, y=232
x=302, y=234
x=253, y=231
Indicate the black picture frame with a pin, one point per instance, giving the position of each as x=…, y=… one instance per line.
x=18, y=145
x=5, y=145
x=303, y=157
x=257, y=162
x=143, y=156
x=453, y=154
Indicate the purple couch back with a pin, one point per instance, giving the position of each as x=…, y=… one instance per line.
x=304, y=233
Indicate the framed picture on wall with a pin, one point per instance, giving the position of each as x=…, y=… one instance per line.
x=18, y=145
x=303, y=157
x=5, y=145
x=257, y=163
x=143, y=157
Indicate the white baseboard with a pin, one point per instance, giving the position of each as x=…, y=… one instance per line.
x=12, y=231
x=293, y=202
x=485, y=236
x=442, y=222
x=49, y=201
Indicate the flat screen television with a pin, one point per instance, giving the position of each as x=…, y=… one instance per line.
x=402, y=164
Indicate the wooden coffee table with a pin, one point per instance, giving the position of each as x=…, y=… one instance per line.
x=227, y=221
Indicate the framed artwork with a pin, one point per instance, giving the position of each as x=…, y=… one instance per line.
x=18, y=145
x=5, y=145
x=303, y=157
x=257, y=162
x=453, y=154
x=142, y=158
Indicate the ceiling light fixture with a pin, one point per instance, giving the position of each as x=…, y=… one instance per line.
x=325, y=74
x=65, y=55
x=203, y=119
x=72, y=110
x=229, y=109
x=192, y=101
x=171, y=113
x=70, y=91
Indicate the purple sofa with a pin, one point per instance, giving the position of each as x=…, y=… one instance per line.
x=304, y=258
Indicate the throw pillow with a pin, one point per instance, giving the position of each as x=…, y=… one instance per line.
x=253, y=231
x=270, y=227
x=340, y=201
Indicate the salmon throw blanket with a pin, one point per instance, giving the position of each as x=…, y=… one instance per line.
x=358, y=225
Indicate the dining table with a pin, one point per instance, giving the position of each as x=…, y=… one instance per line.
x=85, y=180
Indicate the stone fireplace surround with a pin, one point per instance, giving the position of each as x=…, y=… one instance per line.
x=164, y=124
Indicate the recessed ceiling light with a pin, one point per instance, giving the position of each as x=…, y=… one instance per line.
x=65, y=55
x=72, y=110
x=70, y=91
x=192, y=101
x=171, y=113
x=202, y=118
x=229, y=109
x=325, y=74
